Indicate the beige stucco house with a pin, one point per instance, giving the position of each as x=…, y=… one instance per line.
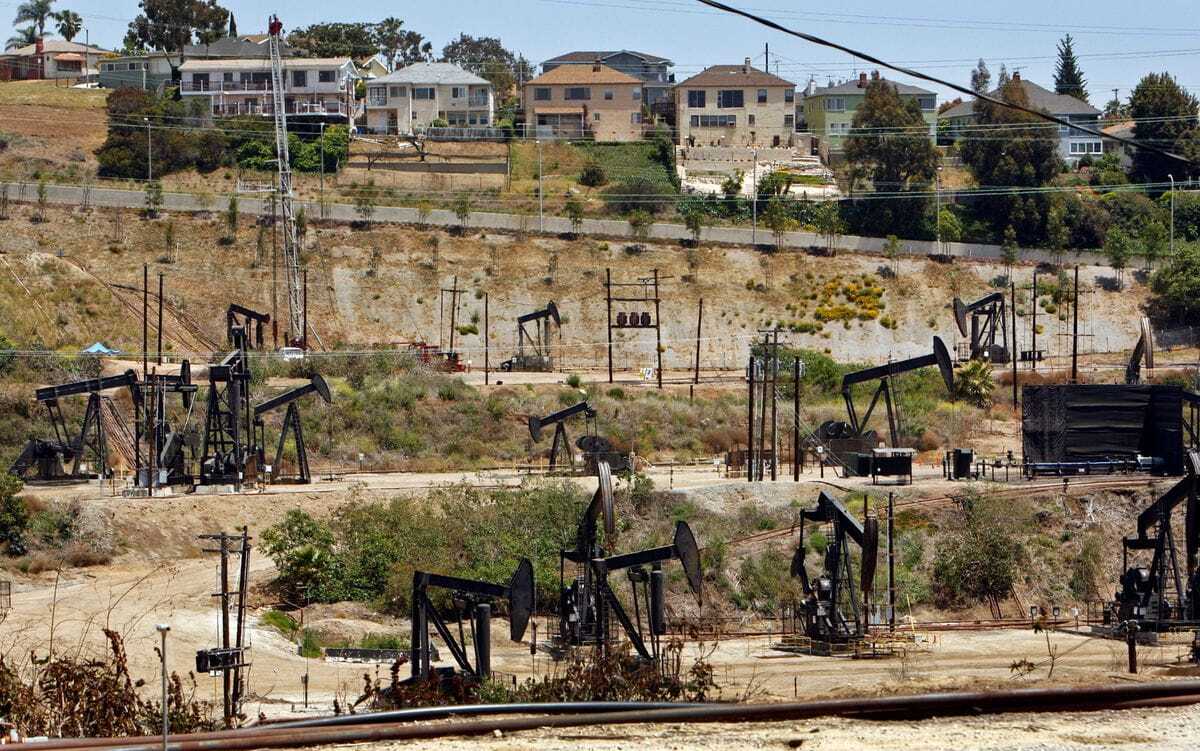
x=736, y=105
x=581, y=101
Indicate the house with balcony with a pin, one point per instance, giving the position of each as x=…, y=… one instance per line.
x=1073, y=145
x=829, y=110
x=584, y=101
x=653, y=71
x=411, y=99
x=52, y=59
x=735, y=105
x=313, y=87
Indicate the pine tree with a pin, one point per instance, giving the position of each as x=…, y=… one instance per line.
x=232, y=25
x=1068, y=78
x=1004, y=78
x=981, y=78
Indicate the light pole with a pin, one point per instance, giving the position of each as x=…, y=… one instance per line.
x=937, y=193
x=541, y=193
x=149, y=155
x=162, y=629
x=1172, y=179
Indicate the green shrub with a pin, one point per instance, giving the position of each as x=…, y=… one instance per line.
x=977, y=558
x=14, y=515
x=593, y=175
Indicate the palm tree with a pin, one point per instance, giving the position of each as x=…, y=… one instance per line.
x=69, y=24
x=23, y=38
x=35, y=12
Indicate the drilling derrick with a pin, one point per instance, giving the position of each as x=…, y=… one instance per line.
x=291, y=244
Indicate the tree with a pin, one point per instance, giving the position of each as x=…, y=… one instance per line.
x=302, y=550
x=1115, y=110
x=364, y=202
x=69, y=24
x=462, y=210
x=339, y=39
x=232, y=25
x=14, y=515
x=35, y=12
x=1003, y=79
x=891, y=251
x=170, y=25
x=695, y=221
x=1154, y=240
x=981, y=78
x=593, y=175
x=231, y=220
x=1176, y=287
x=778, y=220
x=1058, y=235
x=154, y=198
x=1164, y=114
x=485, y=57
x=1010, y=251
x=973, y=383
x=1021, y=152
x=639, y=225
x=399, y=46
x=901, y=165
x=22, y=37
x=828, y=221
x=573, y=208
x=1068, y=78
x=1118, y=247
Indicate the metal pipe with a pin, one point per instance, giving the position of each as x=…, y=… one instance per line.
x=1094, y=698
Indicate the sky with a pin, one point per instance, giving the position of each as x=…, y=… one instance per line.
x=939, y=37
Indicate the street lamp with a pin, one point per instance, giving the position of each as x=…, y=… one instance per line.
x=162, y=629
x=149, y=156
x=937, y=194
x=1172, y=179
x=754, y=201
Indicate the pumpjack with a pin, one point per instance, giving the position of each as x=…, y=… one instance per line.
x=292, y=426
x=167, y=464
x=884, y=374
x=533, y=351
x=241, y=317
x=1143, y=353
x=648, y=589
x=474, y=598
x=833, y=610
x=46, y=460
x=561, y=448
x=578, y=607
x=227, y=419
x=1161, y=596
x=986, y=323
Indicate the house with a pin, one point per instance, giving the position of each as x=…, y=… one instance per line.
x=234, y=48
x=735, y=105
x=652, y=70
x=149, y=71
x=370, y=67
x=829, y=110
x=1123, y=152
x=412, y=98
x=51, y=59
x=1072, y=144
x=582, y=101
x=316, y=87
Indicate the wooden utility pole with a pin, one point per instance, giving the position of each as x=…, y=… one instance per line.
x=750, y=421
x=158, y=349
x=699, y=327
x=891, y=553
x=1013, y=353
x=486, y=342
x=1033, y=351
x=775, y=405
x=454, y=292
x=145, y=320
x=1075, y=333
x=608, y=296
x=658, y=348
x=796, y=420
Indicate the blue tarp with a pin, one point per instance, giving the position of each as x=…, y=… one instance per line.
x=101, y=349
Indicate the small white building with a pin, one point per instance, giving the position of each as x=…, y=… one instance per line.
x=412, y=98
x=320, y=87
x=53, y=59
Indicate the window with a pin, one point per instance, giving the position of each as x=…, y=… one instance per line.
x=577, y=94
x=456, y=119
x=751, y=120
x=541, y=94
x=789, y=95
x=200, y=81
x=326, y=76
x=397, y=92
x=637, y=95
x=835, y=104
x=423, y=92
x=731, y=99
x=457, y=92
x=928, y=103
x=789, y=121
x=762, y=96
x=299, y=78
x=377, y=96
x=608, y=95
x=696, y=99
x=483, y=118
x=835, y=129
x=132, y=66
x=635, y=118
x=714, y=121
x=1079, y=148
x=596, y=117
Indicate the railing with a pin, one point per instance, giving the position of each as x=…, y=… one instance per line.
x=293, y=108
x=477, y=102
x=216, y=87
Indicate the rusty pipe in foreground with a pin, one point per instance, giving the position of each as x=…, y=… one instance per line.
x=877, y=708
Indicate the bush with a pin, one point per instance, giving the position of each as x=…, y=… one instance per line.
x=639, y=194
x=593, y=175
x=977, y=558
x=14, y=516
x=1176, y=287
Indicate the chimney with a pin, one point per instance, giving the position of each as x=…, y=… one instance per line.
x=1016, y=76
x=746, y=66
x=596, y=65
x=862, y=80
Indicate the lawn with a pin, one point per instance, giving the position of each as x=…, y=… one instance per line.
x=49, y=94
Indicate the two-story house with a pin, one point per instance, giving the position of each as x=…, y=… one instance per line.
x=735, y=105
x=829, y=110
x=1073, y=145
x=654, y=71
x=581, y=101
x=412, y=98
x=154, y=69
x=319, y=87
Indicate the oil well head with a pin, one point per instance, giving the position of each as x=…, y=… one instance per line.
x=521, y=597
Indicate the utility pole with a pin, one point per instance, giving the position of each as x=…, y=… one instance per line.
x=486, y=342
x=1075, y=334
x=541, y=199
x=937, y=192
x=149, y=153
x=796, y=367
x=454, y=292
x=775, y=405
x=1033, y=345
x=658, y=348
x=158, y=349
x=891, y=536
x=1013, y=352
x=699, y=326
x=1172, y=179
x=145, y=320
x=754, y=202
x=608, y=295
x=750, y=421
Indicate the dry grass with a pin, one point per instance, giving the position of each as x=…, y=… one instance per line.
x=50, y=94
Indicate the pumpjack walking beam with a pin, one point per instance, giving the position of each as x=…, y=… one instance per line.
x=562, y=441
x=292, y=426
x=239, y=316
x=884, y=373
x=534, y=350
x=478, y=596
